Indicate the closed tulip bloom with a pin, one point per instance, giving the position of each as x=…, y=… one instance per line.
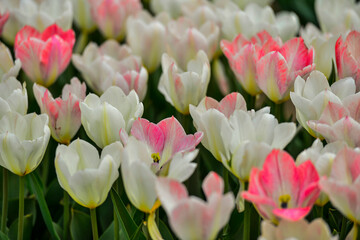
x=64, y=113
x=85, y=176
x=191, y=217
x=276, y=71
x=23, y=141
x=348, y=57
x=13, y=97
x=147, y=38
x=184, y=40
x=82, y=15
x=184, y=87
x=102, y=118
x=342, y=186
x=111, y=15
x=322, y=158
x=300, y=230
x=44, y=56
x=210, y=113
x=8, y=68
x=172, y=7
x=311, y=97
x=112, y=64
x=282, y=190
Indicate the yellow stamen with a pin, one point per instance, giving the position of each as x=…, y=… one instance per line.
x=284, y=200
x=155, y=157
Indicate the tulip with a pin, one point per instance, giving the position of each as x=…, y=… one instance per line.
x=322, y=158
x=44, y=56
x=112, y=64
x=184, y=88
x=13, y=97
x=64, y=113
x=23, y=141
x=300, y=230
x=344, y=179
x=184, y=40
x=347, y=57
x=244, y=3
x=111, y=15
x=220, y=76
x=281, y=190
x=82, y=15
x=102, y=118
x=3, y=18
x=254, y=19
x=172, y=7
x=146, y=37
x=191, y=217
x=210, y=113
x=7, y=66
x=311, y=97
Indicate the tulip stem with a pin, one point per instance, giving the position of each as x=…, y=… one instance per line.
x=247, y=215
x=81, y=42
x=4, y=200
x=226, y=179
x=66, y=215
x=94, y=223
x=356, y=231
x=21, y=208
x=343, y=228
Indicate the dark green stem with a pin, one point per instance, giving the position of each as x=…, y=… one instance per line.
x=94, y=224
x=4, y=200
x=81, y=42
x=343, y=228
x=226, y=179
x=116, y=220
x=247, y=225
x=21, y=208
x=45, y=167
x=356, y=231
x=66, y=215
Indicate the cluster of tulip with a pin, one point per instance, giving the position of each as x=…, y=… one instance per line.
x=142, y=55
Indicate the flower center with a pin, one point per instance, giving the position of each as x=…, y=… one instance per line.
x=284, y=200
x=155, y=157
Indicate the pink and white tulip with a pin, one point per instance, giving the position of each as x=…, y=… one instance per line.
x=7, y=66
x=184, y=40
x=190, y=217
x=111, y=15
x=184, y=87
x=3, y=18
x=64, y=113
x=210, y=113
x=44, y=56
x=348, y=57
x=282, y=190
x=146, y=36
x=103, y=117
x=343, y=185
x=13, y=97
x=300, y=230
x=112, y=64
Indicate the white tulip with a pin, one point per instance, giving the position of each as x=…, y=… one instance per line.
x=7, y=66
x=13, y=97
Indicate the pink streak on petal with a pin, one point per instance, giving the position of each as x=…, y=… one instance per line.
x=213, y=184
x=292, y=214
x=150, y=133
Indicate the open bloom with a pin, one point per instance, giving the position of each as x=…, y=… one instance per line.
x=44, y=56
x=311, y=97
x=103, y=117
x=23, y=141
x=322, y=158
x=281, y=190
x=7, y=66
x=13, y=97
x=83, y=174
x=210, y=113
x=347, y=57
x=111, y=64
x=111, y=15
x=300, y=230
x=64, y=113
x=343, y=184
x=184, y=88
x=147, y=37
x=191, y=217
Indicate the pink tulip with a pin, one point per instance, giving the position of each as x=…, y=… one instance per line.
x=64, y=113
x=44, y=56
x=348, y=57
x=111, y=15
x=190, y=217
x=343, y=184
x=3, y=19
x=281, y=190
x=165, y=138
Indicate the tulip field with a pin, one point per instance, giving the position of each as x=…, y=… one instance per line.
x=180, y=119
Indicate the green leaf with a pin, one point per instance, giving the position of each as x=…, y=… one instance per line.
x=108, y=233
x=165, y=232
x=122, y=213
x=80, y=226
x=38, y=190
x=13, y=230
x=138, y=231
x=3, y=236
